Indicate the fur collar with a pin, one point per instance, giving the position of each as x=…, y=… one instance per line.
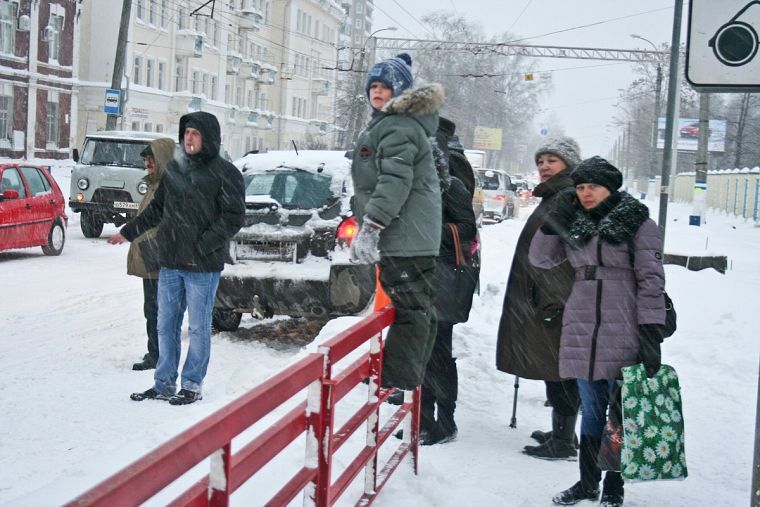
x=422, y=101
x=618, y=226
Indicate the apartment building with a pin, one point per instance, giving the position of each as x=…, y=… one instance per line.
x=38, y=71
x=258, y=65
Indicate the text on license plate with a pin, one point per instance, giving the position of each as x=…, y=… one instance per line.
x=126, y=205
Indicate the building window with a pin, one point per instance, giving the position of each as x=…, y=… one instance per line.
x=213, y=88
x=181, y=21
x=164, y=13
x=179, y=80
x=56, y=23
x=149, y=71
x=152, y=12
x=135, y=125
x=204, y=84
x=6, y=119
x=8, y=27
x=159, y=127
x=137, y=71
x=148, y=127
x=161, y=75
x=52, y=122
x=140, y=10
x=196, y=81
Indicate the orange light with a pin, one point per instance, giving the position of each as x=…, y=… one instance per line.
x=80, y=197
x=347, y=230
x=499, y=198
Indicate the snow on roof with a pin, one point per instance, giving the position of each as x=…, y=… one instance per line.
x=333, y=163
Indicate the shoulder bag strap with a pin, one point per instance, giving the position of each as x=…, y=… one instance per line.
x=457, y=245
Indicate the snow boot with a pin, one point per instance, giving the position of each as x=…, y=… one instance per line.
x=576, y=493
x=185, y=397
x=147, y=363
x=150, y=394
x=397, y=398
x=560, y=445
x=588, y=487
x=612, y=492
x=542, y=436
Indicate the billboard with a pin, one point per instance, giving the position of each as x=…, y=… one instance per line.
x=486, y=138
x=687, y=132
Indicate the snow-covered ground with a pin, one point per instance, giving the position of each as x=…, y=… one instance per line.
x=73, y=325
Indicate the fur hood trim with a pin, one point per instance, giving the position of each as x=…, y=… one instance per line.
x=421, y=101
x=619, y=226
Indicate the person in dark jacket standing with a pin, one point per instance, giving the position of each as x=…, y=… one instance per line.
x=531, y=319
x=615, y=314
x=441, y=383
x=156, y=155
x=198, y=207
x=396, y=199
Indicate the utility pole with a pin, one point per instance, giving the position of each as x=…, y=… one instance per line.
x=118, y=62
x=700, y=180
x=740, y=130
x=670, y=117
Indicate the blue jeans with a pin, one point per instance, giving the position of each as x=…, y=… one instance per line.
x=179, y=290
x=595, y=397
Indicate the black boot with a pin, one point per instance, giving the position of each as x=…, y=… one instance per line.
x=560, y=445
x=147, y=363
x=542, y=436
x=588, y=487
x=612, y=494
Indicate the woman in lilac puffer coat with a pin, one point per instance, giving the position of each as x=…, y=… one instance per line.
x=615, y=314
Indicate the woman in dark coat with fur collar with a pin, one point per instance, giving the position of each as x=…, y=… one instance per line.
x=615, y=314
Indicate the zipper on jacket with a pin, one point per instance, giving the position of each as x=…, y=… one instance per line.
x=592, y=358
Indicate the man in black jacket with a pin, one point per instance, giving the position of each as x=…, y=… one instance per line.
x=531, y=319
x=199, y=205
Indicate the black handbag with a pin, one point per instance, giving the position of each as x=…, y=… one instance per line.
x=149, y=253
x=455, y=284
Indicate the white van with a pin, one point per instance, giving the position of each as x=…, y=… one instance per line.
x=106, y=183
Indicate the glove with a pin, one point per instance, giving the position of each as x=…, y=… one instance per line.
x=650, y=337
x=364, y=245
x=559, y=219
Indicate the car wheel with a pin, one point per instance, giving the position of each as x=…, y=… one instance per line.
x=91, y=225
x=56, y=239
x=225, y=320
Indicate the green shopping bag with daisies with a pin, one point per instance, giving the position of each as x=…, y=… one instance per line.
x=653, y=434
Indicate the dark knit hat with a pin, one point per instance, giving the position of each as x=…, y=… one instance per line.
x=147, y=152
x=395, y=73
x=565, y=148
x=598, y=170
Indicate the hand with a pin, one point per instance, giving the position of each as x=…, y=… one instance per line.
x=117, y=239
x=364, y=245
x=650, y=337
x=561, y=216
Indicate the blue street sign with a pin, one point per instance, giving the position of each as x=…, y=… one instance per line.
x=113, y=102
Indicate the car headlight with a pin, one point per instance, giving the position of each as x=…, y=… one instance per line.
x=142, y=187
x=83, y=183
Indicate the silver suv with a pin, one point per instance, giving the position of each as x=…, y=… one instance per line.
x=106, y=183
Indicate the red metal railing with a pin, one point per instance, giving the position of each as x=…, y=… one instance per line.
x=212, y=437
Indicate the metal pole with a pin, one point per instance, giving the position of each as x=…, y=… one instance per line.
x=655, y=129
x=667, y=152
x=755, y=491
x=700, y=179
x=118, y=62
x=513, y=421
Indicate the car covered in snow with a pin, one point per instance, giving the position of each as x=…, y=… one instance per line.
x=32, y=208
x=291, y=257
x=107, y=182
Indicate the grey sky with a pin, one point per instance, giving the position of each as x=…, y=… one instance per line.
x=585, y=91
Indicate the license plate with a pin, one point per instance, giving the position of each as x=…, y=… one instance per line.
x=125, y=205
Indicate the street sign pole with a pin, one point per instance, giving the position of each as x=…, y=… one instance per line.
x=667, y=152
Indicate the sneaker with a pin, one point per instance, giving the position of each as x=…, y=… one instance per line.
x=576, y=493
x=185, y=397
x=150, y=394
x=147, y=363
x=611, y=500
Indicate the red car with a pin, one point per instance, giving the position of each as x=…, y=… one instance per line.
x=32, y=209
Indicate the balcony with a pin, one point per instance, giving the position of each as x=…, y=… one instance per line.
x=233, y=64
x=250, y=68
x=250, y=18
x=189, y=43
x=266, y=74
x=265, y=122
x=320, y=86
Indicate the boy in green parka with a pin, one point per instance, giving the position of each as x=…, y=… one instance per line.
x=397, y=202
